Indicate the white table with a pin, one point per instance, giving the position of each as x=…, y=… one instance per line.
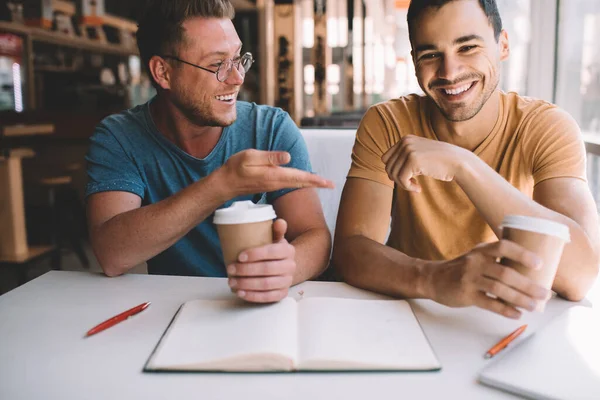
x=43, y=354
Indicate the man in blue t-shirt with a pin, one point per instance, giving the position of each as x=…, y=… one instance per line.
x=158, y=172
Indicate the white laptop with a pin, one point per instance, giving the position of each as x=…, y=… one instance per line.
x=560, y=361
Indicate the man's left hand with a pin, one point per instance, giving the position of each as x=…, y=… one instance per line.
x=264, y=274
x=413, y=156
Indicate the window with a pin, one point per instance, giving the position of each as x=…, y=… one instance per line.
x=578, y=66
x=578, y=75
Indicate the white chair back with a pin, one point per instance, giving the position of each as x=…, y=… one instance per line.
x=330, y=153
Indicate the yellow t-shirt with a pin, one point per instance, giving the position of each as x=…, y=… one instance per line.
x=531, y=141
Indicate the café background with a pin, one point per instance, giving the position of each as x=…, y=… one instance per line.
x=324, y=61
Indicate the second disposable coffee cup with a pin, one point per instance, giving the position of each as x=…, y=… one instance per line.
x=243, y=226
x=541, y=236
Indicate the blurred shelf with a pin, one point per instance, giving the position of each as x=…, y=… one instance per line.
x=119, y=22
x=14, y=27
x=45, y=36
x=66, y=7
x=241, y=5
x=27, y=129
x=51, y=68
x=32, y=253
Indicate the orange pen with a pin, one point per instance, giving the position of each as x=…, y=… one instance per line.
x=504, y=342
x=117, y=318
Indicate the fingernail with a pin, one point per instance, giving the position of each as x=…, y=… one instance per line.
x=231, y=269
x=241, y=293
x=515, y=314
x=232, y=283
x=532, y=305
x=539, y=263
x=243, y=257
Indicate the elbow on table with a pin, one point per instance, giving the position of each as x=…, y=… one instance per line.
x=111, y=265
x=340, y=268
x=577, y=289
x=574, y=294
x=111, y=272
x=111, y=268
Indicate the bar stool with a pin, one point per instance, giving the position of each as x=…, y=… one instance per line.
x=15, y=253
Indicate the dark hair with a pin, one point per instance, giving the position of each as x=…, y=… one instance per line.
x=490, y=8
x=159, y=28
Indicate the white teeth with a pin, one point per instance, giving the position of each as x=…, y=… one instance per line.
x=459, y=90
x=226, y=98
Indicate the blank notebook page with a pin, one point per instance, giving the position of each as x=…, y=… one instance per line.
x=363, y=333
x=211, y=330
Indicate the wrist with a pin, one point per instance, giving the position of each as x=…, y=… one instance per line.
x=465, y=166
x=217, y=181
x=425, y=282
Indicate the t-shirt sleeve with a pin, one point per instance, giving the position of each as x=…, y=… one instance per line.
x=109, y=167
x=556, y=146
x=289, y=138
x=370, y=145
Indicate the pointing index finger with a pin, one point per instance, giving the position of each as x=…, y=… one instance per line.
x=295, y=178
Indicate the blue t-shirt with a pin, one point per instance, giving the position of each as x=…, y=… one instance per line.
x=127, y=153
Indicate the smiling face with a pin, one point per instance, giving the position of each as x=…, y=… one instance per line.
x=457, y=58
x=196, y=92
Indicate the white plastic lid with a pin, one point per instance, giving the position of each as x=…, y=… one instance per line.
x=244, y=212
x=537, y=225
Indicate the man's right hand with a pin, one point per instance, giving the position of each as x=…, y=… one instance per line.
x=477, y=279
x=256, y=171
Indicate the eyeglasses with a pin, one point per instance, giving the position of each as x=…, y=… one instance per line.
x=242, y=64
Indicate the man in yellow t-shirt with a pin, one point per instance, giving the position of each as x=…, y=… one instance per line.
x=448, y=166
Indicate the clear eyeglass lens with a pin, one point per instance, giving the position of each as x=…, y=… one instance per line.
x=223, y=71
x=246, y=62
x=242, y=64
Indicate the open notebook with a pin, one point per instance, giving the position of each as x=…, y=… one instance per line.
x=316, y=334
x=561, y=361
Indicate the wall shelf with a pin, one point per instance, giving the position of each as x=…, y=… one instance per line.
x=59, y=39
x=243, y=5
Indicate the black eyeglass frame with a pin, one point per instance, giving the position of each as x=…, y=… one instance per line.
x=238, y=61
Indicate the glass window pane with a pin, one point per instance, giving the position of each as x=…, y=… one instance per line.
x=578, y=74
x=516, y=20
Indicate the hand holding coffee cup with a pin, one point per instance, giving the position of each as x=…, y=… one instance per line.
x=260, y=262
x=545, y=238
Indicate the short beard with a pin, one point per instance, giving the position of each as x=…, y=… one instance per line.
x=202, y=120
x=201, y=115
x=468, y=113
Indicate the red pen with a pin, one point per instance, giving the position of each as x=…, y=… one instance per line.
x=117, y=318
x=505, y=342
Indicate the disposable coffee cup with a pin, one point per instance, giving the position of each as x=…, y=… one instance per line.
x=243, y=226
x=541, y=236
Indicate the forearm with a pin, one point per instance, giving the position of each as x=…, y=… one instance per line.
x=370, y=265
x=313, y=249
x=484, y=187
x=133, y=237
x=494, y=197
